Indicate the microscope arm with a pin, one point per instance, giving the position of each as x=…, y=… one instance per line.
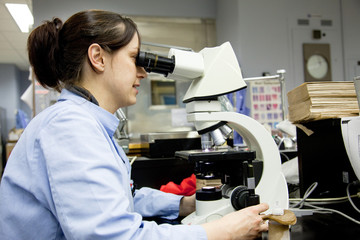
x=272, y=186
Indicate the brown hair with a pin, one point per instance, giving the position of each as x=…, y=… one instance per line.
x=58, y=51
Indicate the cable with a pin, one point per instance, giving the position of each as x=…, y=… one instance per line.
x=349, y=197
x=324, y=199
x=326, y=202
x=285, y=156
x=323, y=210
x=133, y=160
x=281, y=141
x=306, y=195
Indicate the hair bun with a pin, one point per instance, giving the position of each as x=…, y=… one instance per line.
x=43, y=49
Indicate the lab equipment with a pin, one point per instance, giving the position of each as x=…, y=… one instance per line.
x=350, y=129
x=329, y=156
x=120, y=134
x=215, y=72
x=165, y=144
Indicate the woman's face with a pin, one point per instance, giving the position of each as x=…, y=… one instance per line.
x=123, y=76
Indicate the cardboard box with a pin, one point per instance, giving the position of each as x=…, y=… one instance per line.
x=9, y=147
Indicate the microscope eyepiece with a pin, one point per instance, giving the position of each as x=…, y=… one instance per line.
x=155, y=63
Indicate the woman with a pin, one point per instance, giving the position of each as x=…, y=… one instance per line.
x=67, y=178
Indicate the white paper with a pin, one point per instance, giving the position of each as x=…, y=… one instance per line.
x=27, y=96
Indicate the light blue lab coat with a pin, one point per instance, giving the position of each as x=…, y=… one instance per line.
x=67, y=179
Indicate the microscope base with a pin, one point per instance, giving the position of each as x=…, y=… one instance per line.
x=205, y=211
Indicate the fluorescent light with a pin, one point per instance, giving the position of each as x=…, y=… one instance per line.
x=22, y=15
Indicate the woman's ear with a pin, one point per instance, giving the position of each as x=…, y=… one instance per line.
x=96, y=57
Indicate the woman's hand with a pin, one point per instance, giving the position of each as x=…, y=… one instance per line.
x=242, y=225
x=187, y=205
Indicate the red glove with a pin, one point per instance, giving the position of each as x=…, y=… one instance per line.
x=186, y=188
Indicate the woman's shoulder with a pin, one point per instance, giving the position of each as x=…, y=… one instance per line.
x=63, y=109
x=60, y=114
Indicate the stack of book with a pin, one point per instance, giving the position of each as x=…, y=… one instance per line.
x=322, y=100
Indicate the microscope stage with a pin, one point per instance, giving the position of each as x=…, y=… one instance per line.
x=216, y=155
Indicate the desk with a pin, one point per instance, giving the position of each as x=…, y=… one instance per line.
x=314, y=227
x=324, y=226
x=156, y=172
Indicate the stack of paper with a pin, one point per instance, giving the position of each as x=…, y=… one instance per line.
x=322, y=100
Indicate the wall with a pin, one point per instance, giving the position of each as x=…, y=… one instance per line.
x=266, y=37
x=264, y=33
x=350, y=10
x=12, y=81
x=47, y=9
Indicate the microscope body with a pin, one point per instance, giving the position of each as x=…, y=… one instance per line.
x=215, y=72
x=272, y=187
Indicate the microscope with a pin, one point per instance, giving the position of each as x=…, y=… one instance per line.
x=215, y=72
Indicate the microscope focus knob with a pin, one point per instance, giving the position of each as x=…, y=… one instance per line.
x=242, y=197
x=239, y=197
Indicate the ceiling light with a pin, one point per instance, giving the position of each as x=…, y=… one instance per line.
x=22, y=15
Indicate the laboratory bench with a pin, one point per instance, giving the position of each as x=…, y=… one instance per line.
x=324, y=226
x=329, y=226
x=154, y=172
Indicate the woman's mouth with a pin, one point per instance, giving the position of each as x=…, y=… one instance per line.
x=136, y=86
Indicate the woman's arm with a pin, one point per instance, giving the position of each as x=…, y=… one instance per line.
x=187, y=205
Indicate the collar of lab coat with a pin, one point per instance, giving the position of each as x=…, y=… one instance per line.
x=107, y=119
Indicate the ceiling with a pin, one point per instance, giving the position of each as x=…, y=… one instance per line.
x=12, y=40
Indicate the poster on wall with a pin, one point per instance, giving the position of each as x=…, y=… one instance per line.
x=265, y=102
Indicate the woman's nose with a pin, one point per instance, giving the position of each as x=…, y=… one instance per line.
x=141, y=73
